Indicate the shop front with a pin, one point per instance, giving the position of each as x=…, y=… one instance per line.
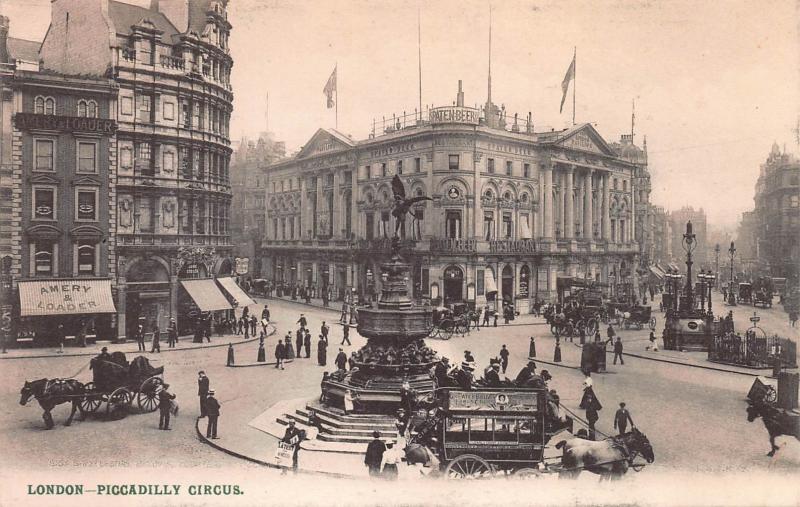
x=201, y=302
x=80, y=309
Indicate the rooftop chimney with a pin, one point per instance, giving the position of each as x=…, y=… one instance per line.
x=460, y=96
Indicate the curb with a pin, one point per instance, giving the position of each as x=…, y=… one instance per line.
x=248, y=365
x=87, y=354
x=235, y=454
x=704, y=367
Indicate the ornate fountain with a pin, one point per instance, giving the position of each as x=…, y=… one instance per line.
x=395, y=352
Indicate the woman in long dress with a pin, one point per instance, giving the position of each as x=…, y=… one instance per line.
x=289, y=348
x=262, y=354
x=322, y=351
x=348, y=402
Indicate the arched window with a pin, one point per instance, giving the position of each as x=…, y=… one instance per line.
x=87, y=109
x=82, y=108
x=49, y=106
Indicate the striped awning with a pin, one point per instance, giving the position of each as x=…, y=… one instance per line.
x=524, y=230
x=488, y=281
x=60, y=297
x=206, y=295
x=657, y=272
x=229, y=285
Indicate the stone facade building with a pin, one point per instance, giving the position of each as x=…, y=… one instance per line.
x=703, y=257
x=512, y=210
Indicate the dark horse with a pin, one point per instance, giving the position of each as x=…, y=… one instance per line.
x=52, y=392
x=774, y=421
x=609, y=458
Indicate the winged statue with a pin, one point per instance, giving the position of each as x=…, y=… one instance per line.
x=402, y=204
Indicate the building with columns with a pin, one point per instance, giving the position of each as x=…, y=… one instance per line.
x=512, y=209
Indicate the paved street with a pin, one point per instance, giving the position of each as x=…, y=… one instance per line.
x=692, y=416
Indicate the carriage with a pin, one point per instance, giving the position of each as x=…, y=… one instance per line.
x=638, y=317
x=745, y=293
x=446, y=323
x=483, y=431
x=118, y=383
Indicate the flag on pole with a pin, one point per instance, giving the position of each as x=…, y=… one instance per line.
x=330, y=89
x=565, y=83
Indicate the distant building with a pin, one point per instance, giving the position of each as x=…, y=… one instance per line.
x=701, y=254
x=248, y=186
x=775, y=223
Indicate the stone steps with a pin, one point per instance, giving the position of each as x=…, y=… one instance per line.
x=337, y=428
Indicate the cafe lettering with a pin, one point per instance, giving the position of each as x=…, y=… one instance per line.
x=29, y=121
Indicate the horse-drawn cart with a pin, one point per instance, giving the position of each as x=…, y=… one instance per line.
x=638, y=317
x=446, y=323
x=117, y=383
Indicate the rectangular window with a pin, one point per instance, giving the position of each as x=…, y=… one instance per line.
x=399, y=167
x=488, y=225
x=168, y=163
x=479, y=281
x=45, y=158
x=274, y=228
x=145, y=214
x=186, y=114
x=385, y=224
x=616, y=184
x=126, y=106
x=369, y=233
x=509, y=168
x=526, y=170
x=87, y=157
x=144, y=103
x=168, y=111
x=43, y=256
x=453, y=225
x=44, y=203
x=490, y=165
x=86, y=258
x=383, y=169
x=86, y=204
x=452, y=162
x=624, y=185
x=125, y=156
x=508, y=226
x=417, y=165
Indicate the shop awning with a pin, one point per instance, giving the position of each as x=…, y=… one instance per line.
x=236, y=292
x=524, y=230
x=488, y=281
x=657, y=272
x=60, y=297
x=206, y=295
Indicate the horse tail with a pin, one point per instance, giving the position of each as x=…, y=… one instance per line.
x=561, y=444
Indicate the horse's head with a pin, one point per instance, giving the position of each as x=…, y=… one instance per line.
x=640, y=443
x=27, y=392
x=752, y=412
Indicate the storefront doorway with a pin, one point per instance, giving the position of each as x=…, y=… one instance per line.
x=453, y=285
x=508, y=283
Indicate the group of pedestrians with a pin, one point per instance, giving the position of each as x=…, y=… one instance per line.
x=382, y=458
x=209, y=405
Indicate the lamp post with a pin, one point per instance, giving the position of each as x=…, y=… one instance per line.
x=701, y=280
x=716, y=257
x=732, y=253
x=689, y=244
x=711, y=278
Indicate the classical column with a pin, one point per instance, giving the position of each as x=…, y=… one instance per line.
x=320, y=205
x=606, y=209
x=569, y=202
x=122, y=295
x=173, y=297
x=304, y=212
x=547, y=201
x=587, y=205
x=337, y=217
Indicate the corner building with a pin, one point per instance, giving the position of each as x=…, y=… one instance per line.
x=512, y=210
x=172, y=64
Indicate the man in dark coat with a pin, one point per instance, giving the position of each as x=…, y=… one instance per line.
x=408, y=398
x=618, y=351
x=280, y=353
x=464, y=376
x=302, y=321
x=164, y=406
x=172, y=333
x=492, y=377
x=139, y=338
x=374, y=456
x=292, y=436
x=324, y=329
x=322, y=351
x=341, y=360
x=202, y=391
x=526, y=374
x=298, y=342
x=307, y=343
x=265, y=313
x=345, y=335
x=621, y=419
x=440, y=372
x=212, y=409
x=504, y=358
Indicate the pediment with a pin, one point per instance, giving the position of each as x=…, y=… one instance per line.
x=86, y=180
x=325, y=141
x=86, y=231
x=43, y=231
x=44, y=179
x=585, y=138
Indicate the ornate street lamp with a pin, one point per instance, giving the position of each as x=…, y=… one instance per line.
x=689, y=244
x=731, y=296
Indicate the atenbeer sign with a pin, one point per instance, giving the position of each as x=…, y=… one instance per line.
x=58, y=297
x=454, y=114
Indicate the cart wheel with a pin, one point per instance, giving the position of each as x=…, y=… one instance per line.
x=468, y=466
x=91, y=399
x=446, y=334
x=146, y=397
x=652, y=323
x=771, y=394
x=527, y=473
x=118, y=399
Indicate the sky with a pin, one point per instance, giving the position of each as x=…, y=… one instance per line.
x=715, y=83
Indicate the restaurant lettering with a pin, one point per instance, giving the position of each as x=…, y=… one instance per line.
x=454, y=114
x=30, y=121
x=400, y=148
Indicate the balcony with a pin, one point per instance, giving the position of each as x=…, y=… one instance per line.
x=454, y=246
x=172, y=62
x=172, y=240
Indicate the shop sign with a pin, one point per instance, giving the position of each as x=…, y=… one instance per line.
x=242, y=265
x=454, y=114
x=30, y=121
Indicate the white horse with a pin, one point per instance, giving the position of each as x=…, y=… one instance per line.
x=609, y=458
